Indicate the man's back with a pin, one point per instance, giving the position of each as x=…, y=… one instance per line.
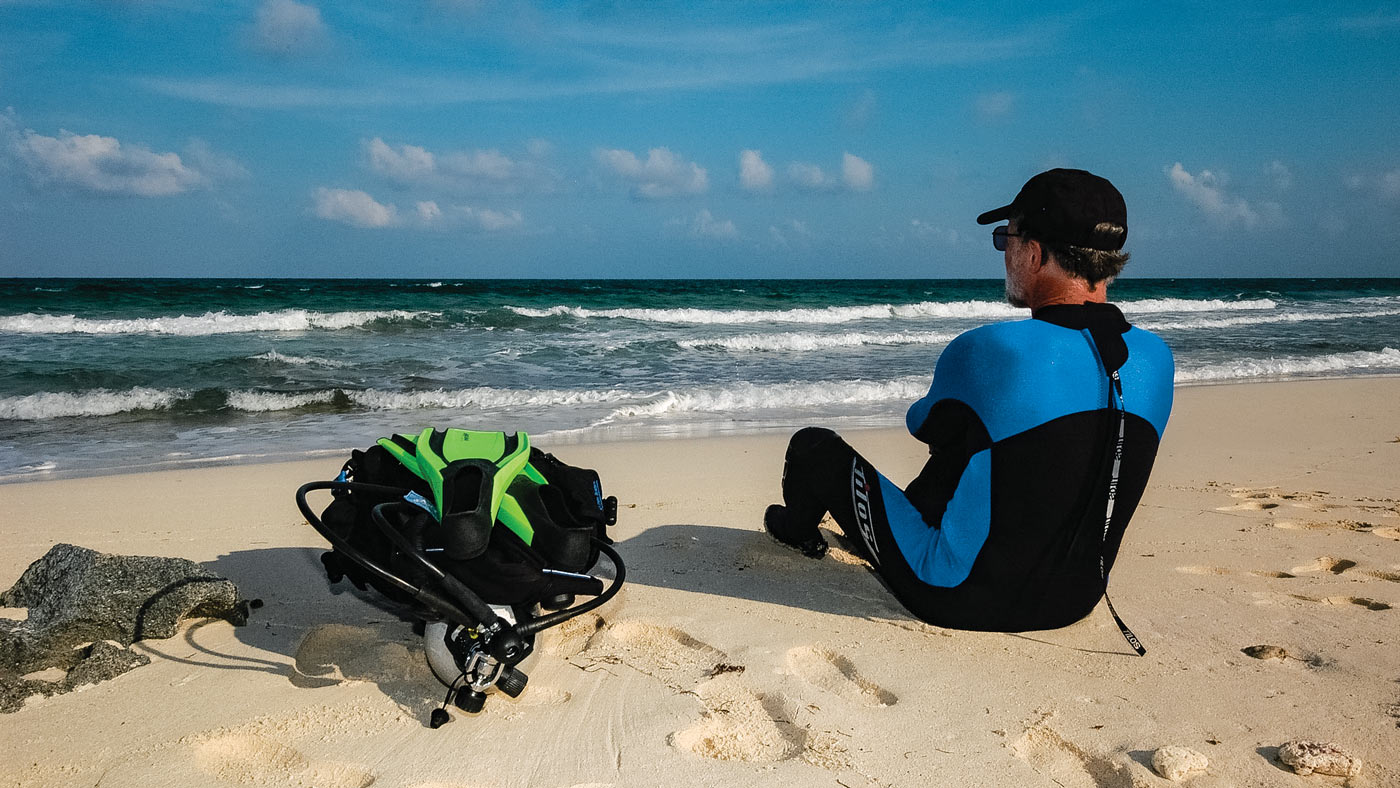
x=1022, y=424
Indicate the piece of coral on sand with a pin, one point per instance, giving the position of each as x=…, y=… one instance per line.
x=1174, y=762
x=1308, y=757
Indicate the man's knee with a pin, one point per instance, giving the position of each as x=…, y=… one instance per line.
x=810, y=442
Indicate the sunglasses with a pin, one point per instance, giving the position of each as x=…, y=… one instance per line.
x=999, y=236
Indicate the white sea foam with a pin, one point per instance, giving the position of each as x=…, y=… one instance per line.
x=265, y=401
x=745, y=397
x=826, y=315
x=1243, y=369
x=486, y=397
x=314, y=361
x=1383, y=300
x=805, y=341
x=200, y=325
x=846, y=314
x=1254, y=320
x=1146, y=305
x=96, y=402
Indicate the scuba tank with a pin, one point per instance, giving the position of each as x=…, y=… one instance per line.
x=486, y=539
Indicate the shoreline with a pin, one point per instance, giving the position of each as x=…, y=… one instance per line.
x=583, y=436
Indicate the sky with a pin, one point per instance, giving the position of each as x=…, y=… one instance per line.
x=477, y=138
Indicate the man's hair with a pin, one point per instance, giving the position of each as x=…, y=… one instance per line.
x=1091, y=265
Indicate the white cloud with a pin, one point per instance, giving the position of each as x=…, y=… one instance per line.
x=857, y=173
x=104, y=165
x=635, y=53
x=467, y=170
x=809, y=176
x=1385, y=186
x=1281, y=176
x=359, y=209
x=214, y=166
x=755, y=174
x=408, y=164
x=663, y=174
x=793, y=230
x=991, y=106
x=286, y=27
x=492, y=221
x=706, y=226
x=355, y=208
x=933, y=233
x=1206, y=191
x=429, y=212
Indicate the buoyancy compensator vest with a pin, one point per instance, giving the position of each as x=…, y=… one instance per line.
x=462, y=526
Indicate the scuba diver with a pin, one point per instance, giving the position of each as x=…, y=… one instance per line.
x=1041, y=433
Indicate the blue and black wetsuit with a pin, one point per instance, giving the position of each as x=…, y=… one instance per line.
x=1004, y=529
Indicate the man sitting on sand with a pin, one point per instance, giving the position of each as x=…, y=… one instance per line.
x=1041, y=434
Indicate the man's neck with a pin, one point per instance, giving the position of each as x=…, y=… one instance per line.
x=1049, y=290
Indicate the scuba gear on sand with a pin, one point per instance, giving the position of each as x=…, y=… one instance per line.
x=415, y=518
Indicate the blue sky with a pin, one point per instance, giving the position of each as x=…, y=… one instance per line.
x=464, y=138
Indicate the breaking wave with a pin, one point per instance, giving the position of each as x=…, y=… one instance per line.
x=1289, y=366
x=1255, y=320
x=1146, y=305
x=846, y=314
x=752, y=396
x=95, y=402
x=803, y=341
x=201, y=325
x=825, y=315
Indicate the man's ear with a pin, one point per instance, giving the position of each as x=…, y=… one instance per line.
x=1041, y=258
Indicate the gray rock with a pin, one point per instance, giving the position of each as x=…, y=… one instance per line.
x=76, y=597
x=92, y=664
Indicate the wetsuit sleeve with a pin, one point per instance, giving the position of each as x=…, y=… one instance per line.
x=941, y=414
x=951, y=428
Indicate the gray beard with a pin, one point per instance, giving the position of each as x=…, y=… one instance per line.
x=1014, y=297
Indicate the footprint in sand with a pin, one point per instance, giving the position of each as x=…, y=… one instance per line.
x=1065, y=763
x=739, y=724
x=1359, y=601
x=332, y=653
x=571, y=637
x=258, y=760
x=1326, y=564
x=834, y=673
x=1220, y=570
x=667, y=654
x=1248, y=506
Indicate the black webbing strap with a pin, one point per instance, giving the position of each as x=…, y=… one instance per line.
x=1116, y=400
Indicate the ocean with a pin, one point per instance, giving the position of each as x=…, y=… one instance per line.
x=116, y=375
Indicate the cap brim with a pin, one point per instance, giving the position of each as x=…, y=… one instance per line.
x=996, y=215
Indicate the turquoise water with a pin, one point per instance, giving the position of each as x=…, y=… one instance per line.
x=105, y=374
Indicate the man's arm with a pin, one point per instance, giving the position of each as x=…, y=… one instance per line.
x=946, y=420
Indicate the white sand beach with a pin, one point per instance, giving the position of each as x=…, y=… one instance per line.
x=1273, y=518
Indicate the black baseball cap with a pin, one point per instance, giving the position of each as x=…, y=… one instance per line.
x=1072, y=207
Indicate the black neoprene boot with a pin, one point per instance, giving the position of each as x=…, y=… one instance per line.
x=810, y=543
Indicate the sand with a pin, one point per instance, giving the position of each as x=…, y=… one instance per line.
x=1272, y=520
